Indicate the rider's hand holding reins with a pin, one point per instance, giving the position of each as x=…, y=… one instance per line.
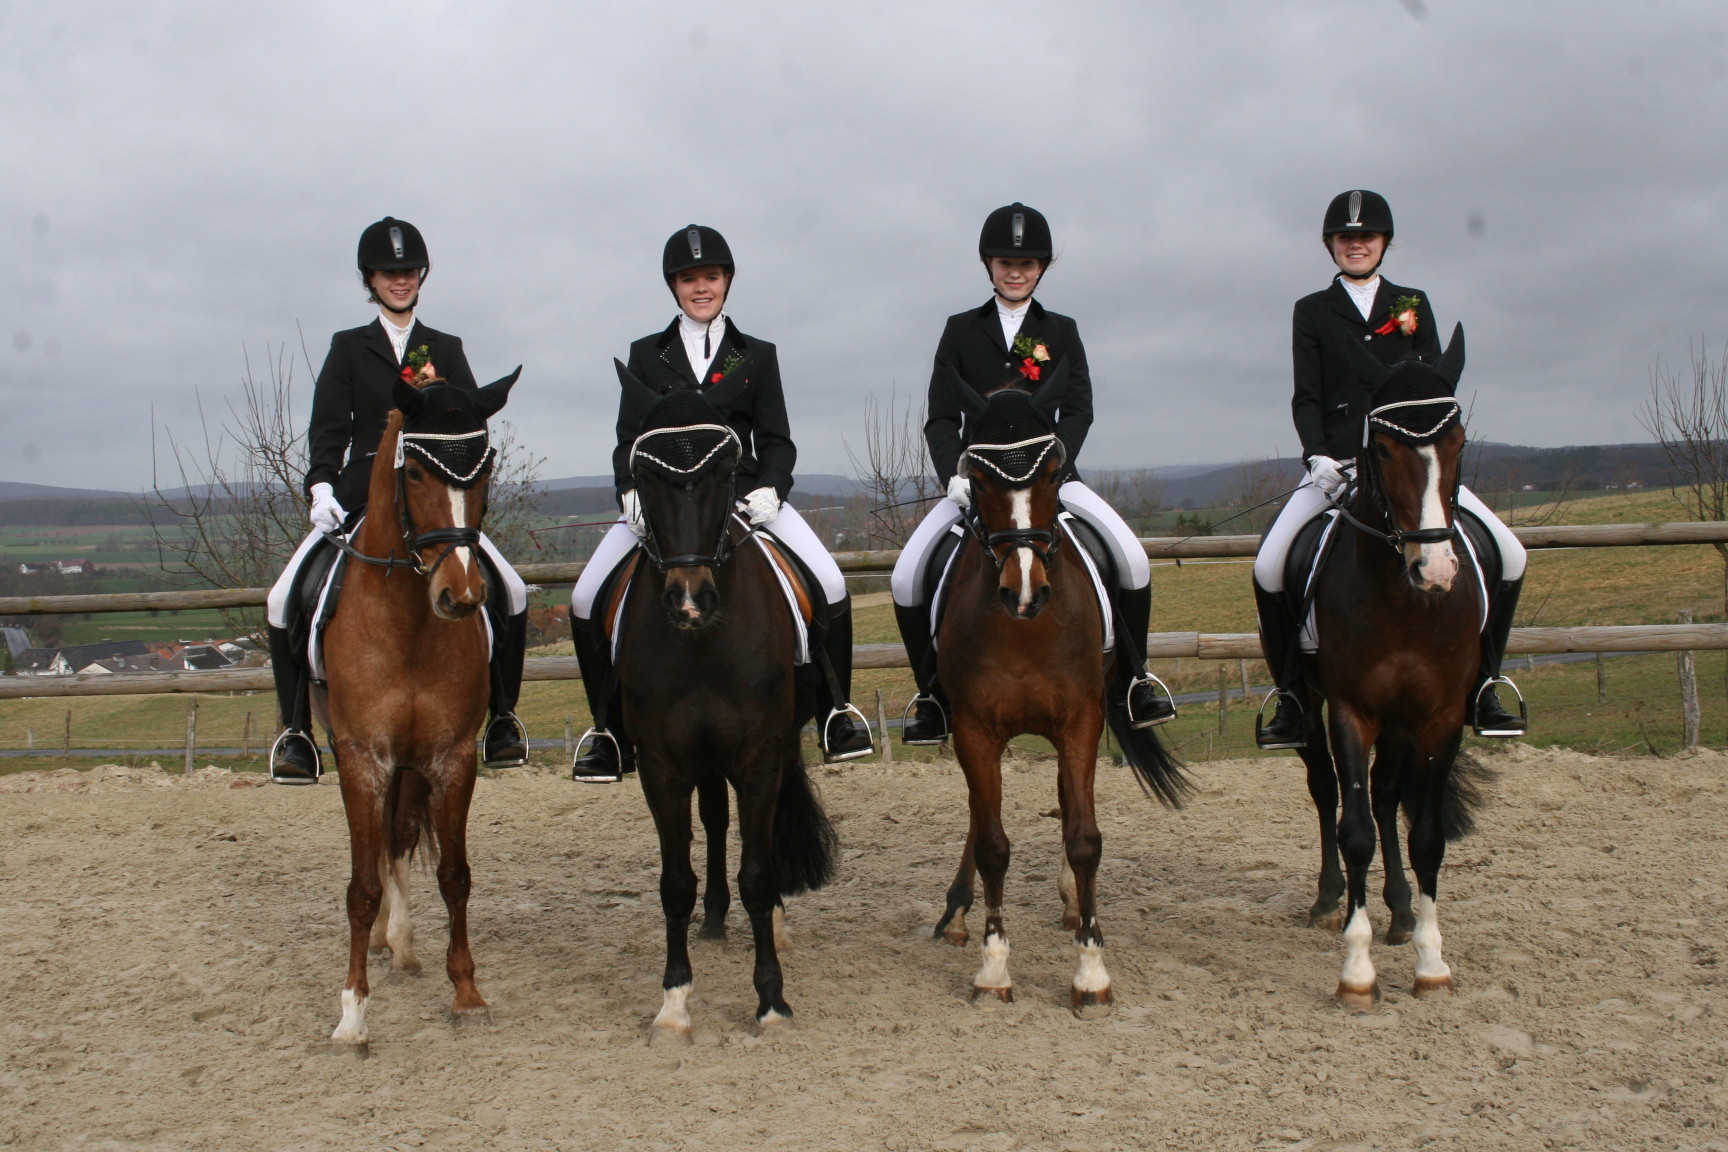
x=761, y=505
x=327, y=515
x=960, y=491
x=1326, y=473
x=632, y=508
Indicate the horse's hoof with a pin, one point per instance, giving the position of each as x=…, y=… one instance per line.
x=1398, y=934
x=669, y=1036
x=359, y=1049
x=471, y=1017
x=712, y=930
x=774, y=1020
x=1071, y=921
x=1005, y=995
x=1432, y=986
x=408, y=967
x=1095, y=1005
x=958, y=937
x=1357, y=999
x=1327, y=918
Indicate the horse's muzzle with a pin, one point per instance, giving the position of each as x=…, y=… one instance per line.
x=1432, y=568
x=450, y=607
x=690, y=598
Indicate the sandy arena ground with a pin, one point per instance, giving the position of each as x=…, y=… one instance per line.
x=171, y=951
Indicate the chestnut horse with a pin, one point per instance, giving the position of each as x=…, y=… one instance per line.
x=706, y=668
x=406, y=659
x=1021, y=650
x=1398, y=609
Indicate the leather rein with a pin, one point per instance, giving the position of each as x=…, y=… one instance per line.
x=415, y=541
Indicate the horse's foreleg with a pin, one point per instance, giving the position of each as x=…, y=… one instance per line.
x=1392, y=760
x=980, y=756
x=714, y=805
x=451, y=793
x=952, y=926
x=758, y=797
x=1323, y=788
x=670, y=806
x=363, y=802
x=1427, y=850
x=1358, y=987
x=1082, y=848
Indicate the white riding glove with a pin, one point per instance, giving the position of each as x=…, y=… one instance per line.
x=761, y=505
x=632, y=505
x=960, y=491
x=1326, y=473
x=327, y=515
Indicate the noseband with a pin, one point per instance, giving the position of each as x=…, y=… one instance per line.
x=461, y=457
x=686, y=477
x=1016, y=463
x=1368, y=464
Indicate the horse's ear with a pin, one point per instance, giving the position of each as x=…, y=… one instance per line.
x=491, y=398
x=948, y=384
x=638, y=397
x=1451, y=362
x=407, y=397
x=1048, y=396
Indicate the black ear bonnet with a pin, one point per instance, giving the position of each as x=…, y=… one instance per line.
x=684, y=437
x=1012, y=436
x=1416, y=403
x=444, y=427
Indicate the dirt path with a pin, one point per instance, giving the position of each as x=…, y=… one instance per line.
x=171, y=952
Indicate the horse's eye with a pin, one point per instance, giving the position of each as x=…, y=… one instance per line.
x=414, y=472
x=1384, y=452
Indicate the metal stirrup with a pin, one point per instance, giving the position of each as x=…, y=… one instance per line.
x=597, y=734
x=1145, y=678
x=912, y=706
x=317, y=758
x=1476, y=706
x=846, y=710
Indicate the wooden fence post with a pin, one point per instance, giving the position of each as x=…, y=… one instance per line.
x=1601, y=680
x=1223, y=698
x=1688, y=691
x=569, y=739
x=246, y=737
x=1243, y=666
x=882, y=730
x=191, y=735
x=66, y=741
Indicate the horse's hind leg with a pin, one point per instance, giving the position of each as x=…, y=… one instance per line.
x=980, y=756
x=1323, y=788
x=451, y=793
x=394, y=928
x=952, y=926
x=1358, y=988
x=670, y=806
x=363, y=786
x=1083, y=847
x=1393, y=761
x=713, y=804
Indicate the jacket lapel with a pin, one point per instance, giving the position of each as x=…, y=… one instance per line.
x=732, y=342
x=991, y=323
x=672, y=356
x=379, y=342
x=1342, y=302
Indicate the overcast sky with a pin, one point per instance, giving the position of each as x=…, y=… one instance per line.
x=182, y=184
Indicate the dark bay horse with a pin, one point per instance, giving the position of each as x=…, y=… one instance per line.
x=1021, y=650
x=706, y=672
x=1398, y=608
x=406, y=659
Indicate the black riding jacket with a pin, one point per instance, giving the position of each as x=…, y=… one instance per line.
x=972, y=345
x=1331, y=402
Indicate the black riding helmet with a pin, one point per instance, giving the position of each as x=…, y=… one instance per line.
x=390, y=246
x=694, y=246
x=1015, y=230
x=1358, y=210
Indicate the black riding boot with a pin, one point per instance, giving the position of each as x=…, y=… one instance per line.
x=1279, y=640
x=609, y=754
x=294, y=756
x=845, y=732
x=1146, y=705
x=928, y=721
x=1487, y=715
x=506, y=736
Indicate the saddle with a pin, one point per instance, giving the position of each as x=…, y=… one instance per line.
x=1313, y=544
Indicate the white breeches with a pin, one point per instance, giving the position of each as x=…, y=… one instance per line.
x=1308, y=502
x=276, y=609
x=788, y=528
x=1132, y=570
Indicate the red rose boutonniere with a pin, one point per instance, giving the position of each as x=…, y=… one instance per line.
x=733, y=359
x=1403, y=318
x=1033, y=356
x=417, y=366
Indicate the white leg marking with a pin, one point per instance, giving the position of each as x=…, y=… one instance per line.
x=1070, y=889
x=674, y=1011
x=352, y=1029
x=1429, y=966
x=782, y=941
x=399, y=928
x=994, y=974
x=1358, y=974
x=1091, y=976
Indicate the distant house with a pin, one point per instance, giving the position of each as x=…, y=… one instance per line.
x=35, y=662
x=26, y=568
x=149, y=662
x=17, y=641
x=74, y=567
x=78, y=657
x=203, y=658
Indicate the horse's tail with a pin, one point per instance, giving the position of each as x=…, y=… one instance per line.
x=1463, y=794
x=408, y=815
x=1158, y=772
x=805, y=845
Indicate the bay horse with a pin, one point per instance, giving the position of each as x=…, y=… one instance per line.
x=1398, y=607
x=405, y=655
x=705, y=668
x=1021, y=650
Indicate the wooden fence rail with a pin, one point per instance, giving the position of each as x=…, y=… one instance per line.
x=1160, y=645
x=868, y=563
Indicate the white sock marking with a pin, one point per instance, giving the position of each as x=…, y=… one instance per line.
x=398, y=928
x=782, y=941
x=1429, y=965
x=674, y=1010
x=352, y=1029
x=1358, y=974
x=1091, y=976
x=994, y=973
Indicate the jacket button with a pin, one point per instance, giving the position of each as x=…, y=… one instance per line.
x=1370, y=336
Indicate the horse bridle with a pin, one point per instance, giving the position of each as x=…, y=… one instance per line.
x=424, y=445
x=725, y=545
x=1044, y=542
x=1368, y=465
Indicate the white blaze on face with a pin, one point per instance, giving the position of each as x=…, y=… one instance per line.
x=459, y=519
x=1358, y=974
x=994, y=973
x=1429, y=965
x=352, y=1029
x=1091, y=976
x=1020, y=512
x=1436, y=564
